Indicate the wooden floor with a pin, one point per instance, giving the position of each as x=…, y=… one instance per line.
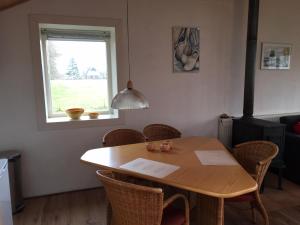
x=88, y=208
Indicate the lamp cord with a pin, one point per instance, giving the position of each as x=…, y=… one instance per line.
x=128, y=39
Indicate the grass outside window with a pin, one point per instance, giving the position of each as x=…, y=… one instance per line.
x=88, y=94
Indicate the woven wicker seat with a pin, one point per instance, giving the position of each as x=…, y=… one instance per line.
x=255, y=157
x=122, y=137
x=140, y=205
x=156, y=132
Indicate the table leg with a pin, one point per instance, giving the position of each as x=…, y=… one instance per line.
x=280, y=179
x=210, y=210
x=108, y=214
x=262, y=188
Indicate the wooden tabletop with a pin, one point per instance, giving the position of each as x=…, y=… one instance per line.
x=215, y=181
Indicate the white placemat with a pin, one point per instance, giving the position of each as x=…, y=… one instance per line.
x=215, y=158
x=150, y=167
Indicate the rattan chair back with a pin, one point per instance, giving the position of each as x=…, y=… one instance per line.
x=132, y=204
x=122, y=137
x=156, y=132
x=256, y=157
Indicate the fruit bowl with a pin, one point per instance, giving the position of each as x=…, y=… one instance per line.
x=165, y=146
x=75, y=113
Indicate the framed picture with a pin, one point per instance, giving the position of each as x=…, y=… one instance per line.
x=276, y=56
x=186, y=49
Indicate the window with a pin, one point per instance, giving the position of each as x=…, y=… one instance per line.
x=77, y=68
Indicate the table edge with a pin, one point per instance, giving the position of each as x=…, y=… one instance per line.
x=208, y=193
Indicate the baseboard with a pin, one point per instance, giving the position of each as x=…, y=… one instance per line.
x=66, y=192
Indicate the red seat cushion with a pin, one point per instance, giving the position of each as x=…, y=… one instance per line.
x=173, y=216
x=242, y=198
x=296, y=128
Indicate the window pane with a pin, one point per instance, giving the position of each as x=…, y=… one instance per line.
x=77, y=75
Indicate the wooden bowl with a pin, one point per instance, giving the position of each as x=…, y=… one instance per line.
x=75, y=113
x=93, y=115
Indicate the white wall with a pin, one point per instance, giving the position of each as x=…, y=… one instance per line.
x=190, y=102
x=279, y=91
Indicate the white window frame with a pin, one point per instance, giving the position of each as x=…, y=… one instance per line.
x=48, y=95
x=48, y=121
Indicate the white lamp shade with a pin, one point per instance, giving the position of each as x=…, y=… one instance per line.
x=129, y=98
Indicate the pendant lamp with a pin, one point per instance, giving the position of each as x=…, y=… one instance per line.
x=129, y=98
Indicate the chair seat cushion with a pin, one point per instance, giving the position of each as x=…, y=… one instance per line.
x=242, y=198
x=172, y=216
x=296, y=128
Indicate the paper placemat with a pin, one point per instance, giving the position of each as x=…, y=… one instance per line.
x=150, y=167
x=215, y=158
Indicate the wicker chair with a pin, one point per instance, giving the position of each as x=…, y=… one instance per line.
x=122, y=137
x=140, y=205
x=156, y=132
x=255, y=157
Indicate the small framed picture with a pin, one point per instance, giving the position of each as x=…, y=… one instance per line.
x=186, y=49
x=276, y=56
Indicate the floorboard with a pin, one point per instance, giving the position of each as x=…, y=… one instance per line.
x=88, y=208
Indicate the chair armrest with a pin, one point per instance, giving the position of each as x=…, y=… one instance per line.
x=186, y=205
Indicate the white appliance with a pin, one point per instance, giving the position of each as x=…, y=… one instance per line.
x=5, y=200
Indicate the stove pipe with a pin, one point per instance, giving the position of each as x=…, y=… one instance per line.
x=253, y=15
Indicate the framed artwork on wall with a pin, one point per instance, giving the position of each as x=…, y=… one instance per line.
x=186, y=49
x=276, y=56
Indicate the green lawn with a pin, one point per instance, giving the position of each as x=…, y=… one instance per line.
x=88, y=94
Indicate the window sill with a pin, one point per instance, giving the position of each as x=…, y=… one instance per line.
x=83, y=122
x=82, y=118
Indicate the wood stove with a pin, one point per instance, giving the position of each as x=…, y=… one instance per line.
x=248, y=128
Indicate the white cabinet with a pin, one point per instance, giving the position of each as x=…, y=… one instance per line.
x=5, y=199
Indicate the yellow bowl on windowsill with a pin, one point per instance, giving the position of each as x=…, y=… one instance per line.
x=75, y=113
x=93, y=115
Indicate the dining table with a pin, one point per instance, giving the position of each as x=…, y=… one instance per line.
x=212, y=183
